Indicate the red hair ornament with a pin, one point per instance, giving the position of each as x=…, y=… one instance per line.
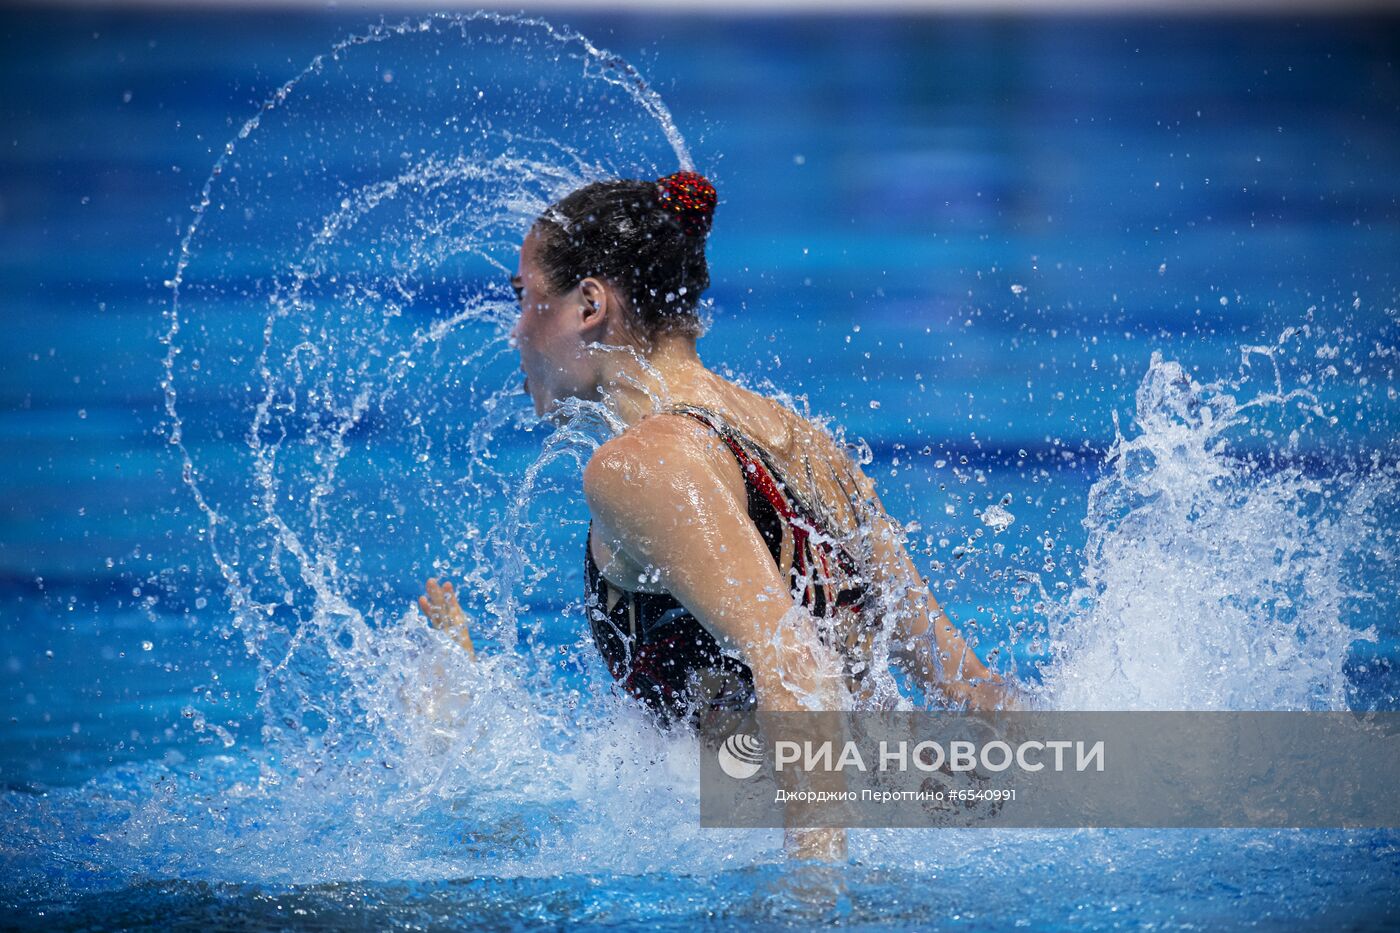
x=691, y=198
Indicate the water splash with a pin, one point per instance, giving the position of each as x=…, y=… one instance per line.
x=1219, y=573
x=370, y=344
x=379, y=385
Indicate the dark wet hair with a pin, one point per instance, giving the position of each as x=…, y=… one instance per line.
x=646, y=237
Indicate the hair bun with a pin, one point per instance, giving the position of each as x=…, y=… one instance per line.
x=691, y=198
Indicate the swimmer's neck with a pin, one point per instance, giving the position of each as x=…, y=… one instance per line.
x=636, y=382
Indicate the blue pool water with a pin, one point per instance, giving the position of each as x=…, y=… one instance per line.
x=1127, y=284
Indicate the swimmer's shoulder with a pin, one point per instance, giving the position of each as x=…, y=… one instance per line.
x=790, y=432
x=665, y=455
x=799, y=439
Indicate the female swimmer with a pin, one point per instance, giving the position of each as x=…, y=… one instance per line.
x=736, y=554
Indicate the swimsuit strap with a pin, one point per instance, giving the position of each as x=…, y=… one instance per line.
x=756, y=464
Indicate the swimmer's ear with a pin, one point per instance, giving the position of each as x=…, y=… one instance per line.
x=597, y=303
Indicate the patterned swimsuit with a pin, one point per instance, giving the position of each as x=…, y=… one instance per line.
x=662, y=655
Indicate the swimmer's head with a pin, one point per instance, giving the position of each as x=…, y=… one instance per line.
x=615, y=262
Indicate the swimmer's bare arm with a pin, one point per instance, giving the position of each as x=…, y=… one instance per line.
x=962, y=677
x=444, y=612
x=670, y=496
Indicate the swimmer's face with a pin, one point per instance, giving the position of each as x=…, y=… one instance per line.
x=554, y=332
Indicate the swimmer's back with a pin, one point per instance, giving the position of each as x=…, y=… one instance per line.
x=810, y=458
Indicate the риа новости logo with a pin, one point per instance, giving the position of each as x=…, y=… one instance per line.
x=741, y=756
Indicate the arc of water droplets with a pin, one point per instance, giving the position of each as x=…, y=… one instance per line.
x=610, y=68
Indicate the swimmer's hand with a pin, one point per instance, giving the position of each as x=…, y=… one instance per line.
x=992, y=692
x=822, y=845
x=443, y=611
